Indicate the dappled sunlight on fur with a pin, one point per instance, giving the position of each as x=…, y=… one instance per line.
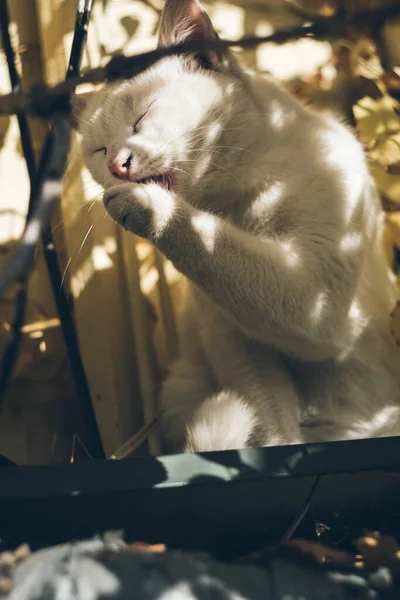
x=269, y=211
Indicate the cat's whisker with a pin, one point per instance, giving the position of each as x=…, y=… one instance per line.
x=77, y=255
x=217, y=168
x=86, y=204
x=65, y=273
x=95, y=186
x=238, y=148
x=182, y=171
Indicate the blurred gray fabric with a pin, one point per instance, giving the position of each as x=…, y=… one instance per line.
x=107, y=568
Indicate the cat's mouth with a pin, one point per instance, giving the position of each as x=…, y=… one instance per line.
x=164, y=180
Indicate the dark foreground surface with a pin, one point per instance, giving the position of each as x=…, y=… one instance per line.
x=108, y=568
x=225, y=503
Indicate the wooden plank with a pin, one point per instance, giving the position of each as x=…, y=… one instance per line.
x=28, y=427
x=95, y=267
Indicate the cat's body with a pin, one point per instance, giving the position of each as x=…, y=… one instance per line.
x=269, y=210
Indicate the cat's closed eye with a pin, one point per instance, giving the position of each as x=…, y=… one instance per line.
x=135, y=127
x=103, y=149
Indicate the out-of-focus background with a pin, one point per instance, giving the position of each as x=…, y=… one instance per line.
x=123, y=296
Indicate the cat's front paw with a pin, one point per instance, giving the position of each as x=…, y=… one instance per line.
x=143, y=209
x=126, y=204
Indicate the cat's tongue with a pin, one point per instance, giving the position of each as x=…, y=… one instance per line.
x=164, y=180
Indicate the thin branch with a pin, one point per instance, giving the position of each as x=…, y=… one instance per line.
x=43, y=100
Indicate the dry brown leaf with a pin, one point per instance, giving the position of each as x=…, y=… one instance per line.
x=387, y=184
x=155, y=548
x=378, y=550
x=375, y=118
x=323, y=8
x=355, y=6
x=386, y=151
x=301, y=551
x=378, y=124
x=321, y=553
x=391, y=79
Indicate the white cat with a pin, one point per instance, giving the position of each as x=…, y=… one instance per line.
x=269, y=210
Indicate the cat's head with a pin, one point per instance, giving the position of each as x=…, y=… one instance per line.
x=178, y=122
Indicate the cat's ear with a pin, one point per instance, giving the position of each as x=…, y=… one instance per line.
x=184, y=21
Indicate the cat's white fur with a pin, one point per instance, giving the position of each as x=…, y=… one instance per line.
x=275, y=221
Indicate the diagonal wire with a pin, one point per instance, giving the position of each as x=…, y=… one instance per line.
x=53, y=267
x=12, y=346
x=41, y=100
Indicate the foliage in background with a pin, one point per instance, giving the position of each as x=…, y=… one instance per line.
x=356, y=84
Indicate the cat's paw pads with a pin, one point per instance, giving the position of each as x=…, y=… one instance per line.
x=128, y=204
x=119, y=203
x=144, y=209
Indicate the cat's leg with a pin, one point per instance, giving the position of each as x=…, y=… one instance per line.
x=258, y=375
x=258, y=404
x=188, y=384
x=265, y=415
x=295, y=296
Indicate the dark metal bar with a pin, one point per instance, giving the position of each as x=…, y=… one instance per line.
x=11, y=351
x=37, y=224
x=26, y=139
x=80, y=34
x=12, y=346
x=41, y=100
x=53, y=267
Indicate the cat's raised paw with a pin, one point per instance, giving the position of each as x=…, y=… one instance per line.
x=143, y=209
x=129, y=207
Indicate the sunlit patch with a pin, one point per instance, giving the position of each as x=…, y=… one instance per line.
x=267, y=199
x=290, y=254
x=206, y=226
x=340, y=150
x=101, y=260
x=213, y=132
x=201, y=166
x=350, y=242
x=177, y=591
x=171, y=274
x=229, y=20
x=98, y=260
x=385, y=421
x=357, y=321
x=32, y=232
x=277, y=117
x=164, y=209
x=149, y=280
x=264, y=28
x=295, y=59
x=355, y=311
x=318, y=307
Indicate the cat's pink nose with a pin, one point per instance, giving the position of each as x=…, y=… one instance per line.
x=120, y=166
